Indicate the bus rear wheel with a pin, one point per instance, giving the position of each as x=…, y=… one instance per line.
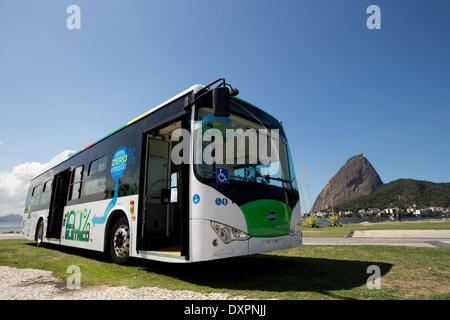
x=39, y=234
x=119, y=242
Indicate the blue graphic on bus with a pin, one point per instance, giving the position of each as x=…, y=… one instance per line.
x=196, y=198
x=218, y=201
x=211, y=116
x=222, y=175
x=224, y=201
x=119, y=163
x=120, y=160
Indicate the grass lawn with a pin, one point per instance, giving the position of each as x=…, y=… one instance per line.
x=308, y=272
x=340, y=232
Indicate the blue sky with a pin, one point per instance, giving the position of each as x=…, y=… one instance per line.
x=339, y=88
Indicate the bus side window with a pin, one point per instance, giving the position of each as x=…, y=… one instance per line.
x=174, y=187
x=75, y=184
x=47, y=193
x=97, y=166
x=36, y=197
x=96, y=180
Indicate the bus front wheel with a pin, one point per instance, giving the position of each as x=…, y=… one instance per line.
x=119, y=242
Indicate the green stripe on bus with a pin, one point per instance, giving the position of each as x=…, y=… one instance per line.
x=257, y=214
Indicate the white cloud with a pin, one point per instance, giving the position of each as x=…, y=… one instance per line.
x=14, y=184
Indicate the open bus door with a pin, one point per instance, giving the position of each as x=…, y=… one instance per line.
x=57, y=203
x=160, y=218
x=163, y=219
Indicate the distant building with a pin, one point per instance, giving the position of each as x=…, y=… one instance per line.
x=410, y=209
x=372, y=211
x=321, y=214
x=391, y=210
x=421, y=212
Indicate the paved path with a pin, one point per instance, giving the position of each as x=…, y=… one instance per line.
x=10, y=236
x=32, y=284
x=410, y=242
x=431, y=234
x=410, y=238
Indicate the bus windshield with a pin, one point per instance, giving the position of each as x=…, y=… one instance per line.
x=240, y=167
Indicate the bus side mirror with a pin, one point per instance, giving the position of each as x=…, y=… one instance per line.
x=165, y=196
x=221, y=101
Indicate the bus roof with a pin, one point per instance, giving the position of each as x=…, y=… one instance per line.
x=195, y=88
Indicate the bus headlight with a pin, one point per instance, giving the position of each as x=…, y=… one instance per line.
x=297, y=230
x=227, y=233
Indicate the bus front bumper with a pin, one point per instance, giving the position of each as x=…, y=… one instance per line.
x=258, y=245
x=203, y=238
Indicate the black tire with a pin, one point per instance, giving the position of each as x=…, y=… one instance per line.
x=119, y=241
x=39, y=234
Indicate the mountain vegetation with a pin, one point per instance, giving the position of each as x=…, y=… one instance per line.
x=402, y=193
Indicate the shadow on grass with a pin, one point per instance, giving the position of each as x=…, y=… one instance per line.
x=271, y=273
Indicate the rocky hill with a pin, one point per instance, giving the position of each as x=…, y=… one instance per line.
x=356, y=178
x=403, y=192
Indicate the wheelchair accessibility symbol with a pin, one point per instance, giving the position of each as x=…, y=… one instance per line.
x=222, y=175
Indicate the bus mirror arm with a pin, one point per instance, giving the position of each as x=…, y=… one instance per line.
x=188, y=101
x=220, y=97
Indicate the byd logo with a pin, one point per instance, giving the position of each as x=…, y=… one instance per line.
x=272, y=216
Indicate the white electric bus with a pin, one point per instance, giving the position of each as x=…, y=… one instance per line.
x=123, y=195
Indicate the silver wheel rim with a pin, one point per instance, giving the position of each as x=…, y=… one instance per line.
x=39, y=236
x=121, y=241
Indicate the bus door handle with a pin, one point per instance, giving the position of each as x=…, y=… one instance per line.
x=144, y=208
x=145, y=205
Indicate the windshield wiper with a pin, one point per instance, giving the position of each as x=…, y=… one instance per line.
x=280, y=179
x=255, y=117
x=240, y=178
